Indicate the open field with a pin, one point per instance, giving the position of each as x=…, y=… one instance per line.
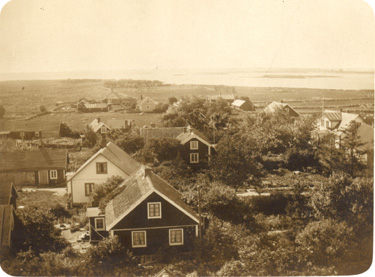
x=23, y=98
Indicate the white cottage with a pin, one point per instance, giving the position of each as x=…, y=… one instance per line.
x=107, y=162
x=147, y=105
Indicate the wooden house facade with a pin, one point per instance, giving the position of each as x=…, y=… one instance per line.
x=47, y=166
x=148, y=215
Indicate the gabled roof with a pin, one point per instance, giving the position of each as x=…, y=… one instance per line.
x=19, y=161
x=7, y=190
x=346, y=119
x=277, y=106
x=96, y=124
x=29, y=125
x=238, y=102
x=332, y=115
x=146, y=99
x=117, y=156
x=366, y=136
x=116, y=95
x=193, y=133
x=136, y=189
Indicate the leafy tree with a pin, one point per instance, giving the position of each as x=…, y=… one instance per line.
x=352, y=144
x=130, y=143
x=91, y=138
x=172, y=100
x=102, y=190
x=66, y=131
x=59, y=211
x=237, y=161
x=158, y=150
x=35, y=231
x=2, y=111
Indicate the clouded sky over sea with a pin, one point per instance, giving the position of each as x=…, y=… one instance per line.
x=74, y=35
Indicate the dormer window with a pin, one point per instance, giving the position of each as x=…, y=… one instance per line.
x=153, y=210
x=193, y=145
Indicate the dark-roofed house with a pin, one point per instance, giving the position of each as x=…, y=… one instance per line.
x=243, y=105
x=109, y=161
x=8, y=196
x=148, y=215
x=275, y=107
x=47, y=166
x=195, y=147
x=92, y=107
x=29, y=129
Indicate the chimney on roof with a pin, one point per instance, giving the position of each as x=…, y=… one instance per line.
x=98, y=119
x=281, y=101
x=147, y=170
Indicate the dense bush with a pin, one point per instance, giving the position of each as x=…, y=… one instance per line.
x=155, y=151
x=102, y=190
x=130, y=143
x=66, y=131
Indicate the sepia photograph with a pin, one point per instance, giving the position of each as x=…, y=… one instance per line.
x=186, y=138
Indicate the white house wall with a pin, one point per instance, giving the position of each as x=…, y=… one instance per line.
x=88, y=175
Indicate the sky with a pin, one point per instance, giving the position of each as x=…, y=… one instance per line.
x=75, y=35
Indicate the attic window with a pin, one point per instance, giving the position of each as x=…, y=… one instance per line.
x=99, y=224
x=176, y=236
x=153, y=210
x=101, y=168
x=139, y=239
x=193, y=145
x=103, y=130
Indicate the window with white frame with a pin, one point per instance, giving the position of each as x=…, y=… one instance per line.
x=176, y=236
x=194, y=158
x=53, y=174
x=89, y=188
x=154, y=210
x=193, y=145
x=103, y=130
x=139, y=239
x=99, y=224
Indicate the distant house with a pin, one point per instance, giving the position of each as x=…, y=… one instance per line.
x=8, y=196
x=107, y=162
x=226, y=97
x=244, y=105
x=101, y=127
x=44, y=166
x=275, y=107
x=148, y=215
x=195, y=147
x=92, y=107
x=29, y=129
x=119, y=99
x=337, y=120
x=147, y=105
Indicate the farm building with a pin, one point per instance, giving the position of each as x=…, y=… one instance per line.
x=275, y=107
x=8, y=196
x=243, y=105
x=147, y=105
x=99, y=127
x=148, y=214
x=119, y=99
x=92, y=107
x=109, y=161
x=39, y=167
x=195, y=147
x=29, y=129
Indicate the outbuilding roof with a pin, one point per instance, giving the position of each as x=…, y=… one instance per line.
x=136, y=189
x=21, y=161
x=6, y=225
x=278, y=106
x=96, y=124
x=7, y=190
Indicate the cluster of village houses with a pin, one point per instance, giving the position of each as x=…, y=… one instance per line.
x=146, y=212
